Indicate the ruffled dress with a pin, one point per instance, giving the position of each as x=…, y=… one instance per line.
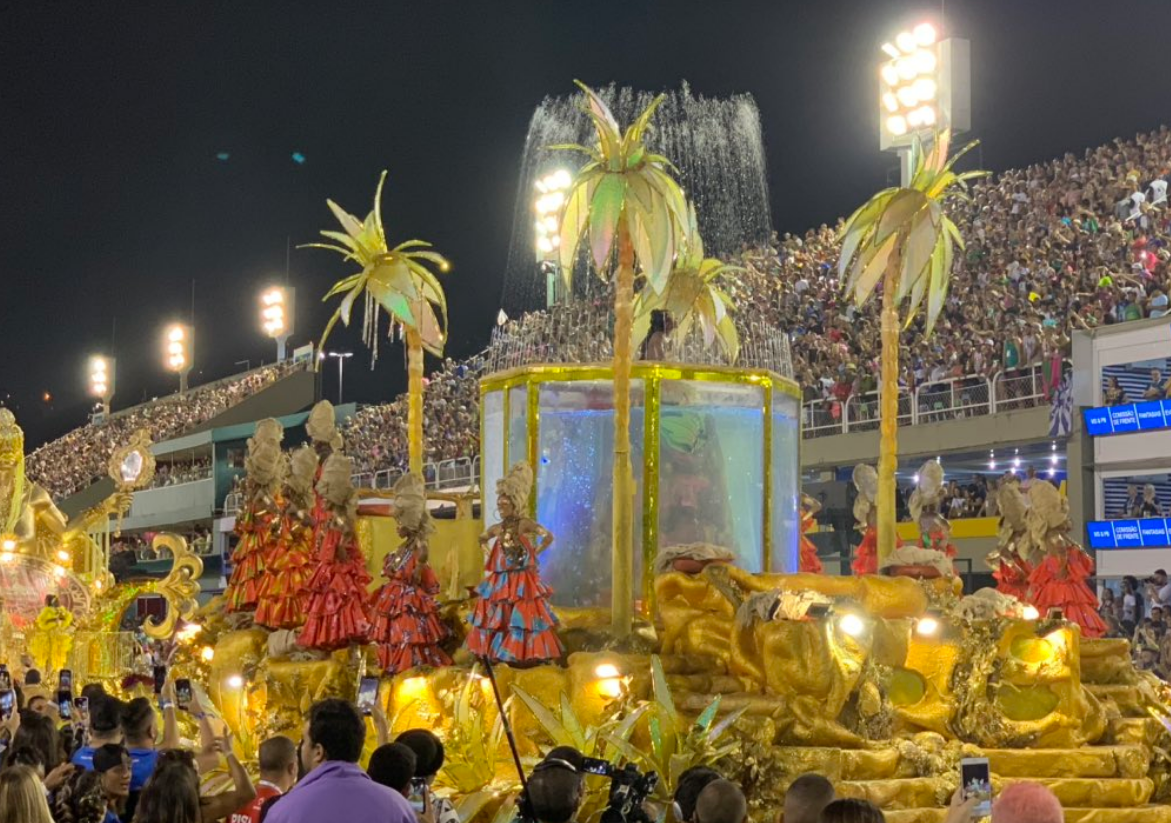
x=1012, y=578
x=1061, y=583
x=808, y=559
x=405, y=617
x=512, y=621
x=254, y=528
x=866, y=557
x=288, y=566
x=336, y=607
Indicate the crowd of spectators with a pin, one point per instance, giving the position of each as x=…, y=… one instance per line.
x=176, y=474
x=1140, y=612
x=376, y=436
x=1076, y=242
x=73, y=461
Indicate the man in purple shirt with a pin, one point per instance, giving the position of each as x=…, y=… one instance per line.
x=334, y=786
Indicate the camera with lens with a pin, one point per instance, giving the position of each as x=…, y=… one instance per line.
x=629, y=789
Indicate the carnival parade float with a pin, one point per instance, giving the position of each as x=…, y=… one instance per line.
x=641, y=598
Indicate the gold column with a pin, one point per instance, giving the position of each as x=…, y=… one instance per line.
x=652, y=396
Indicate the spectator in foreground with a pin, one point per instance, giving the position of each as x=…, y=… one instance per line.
x=278, y=774
x=555, y=791
x=721, y=801
x=806, y=798
x=429, y=757
x=852, y=811
x=393, y=766
x=1027, y=803
x=22, y=798
x=690, y=784
x=112, y=764
x=82, y=800
x=334, y=786
x=104, y=727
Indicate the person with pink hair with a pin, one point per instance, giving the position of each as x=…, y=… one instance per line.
x=1027, y=803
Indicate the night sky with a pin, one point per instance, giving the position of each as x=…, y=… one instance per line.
x=114, y=113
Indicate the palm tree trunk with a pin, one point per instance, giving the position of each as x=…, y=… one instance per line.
x=415, y=401
x=622, y=567
x=889, y=442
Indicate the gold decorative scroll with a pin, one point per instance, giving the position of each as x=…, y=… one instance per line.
x=180, y=588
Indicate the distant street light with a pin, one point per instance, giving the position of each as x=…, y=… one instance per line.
x=101, y=380
x=179, y=351
x=924, y=86
x=277, y=315
x=342, y=357
x=550, y=197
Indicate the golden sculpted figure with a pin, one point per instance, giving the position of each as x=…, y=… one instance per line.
x=28, y=513
x=52, y=637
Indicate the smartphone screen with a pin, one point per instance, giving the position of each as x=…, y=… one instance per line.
x=160, y=678
x=65, y=681
x=367, y=694
x=81, y=703
x=976, y=781
x=7, y=701
x=5, y=679
x=65, y=704
x=418, y=794
x=183, y=692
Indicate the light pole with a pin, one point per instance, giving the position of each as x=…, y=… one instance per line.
x=101, y=381
x=924, y=86
x=277, y=315
x=550, y=196
x=342, y=357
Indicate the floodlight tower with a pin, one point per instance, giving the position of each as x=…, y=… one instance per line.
x=277, y=315
x=924, y=86
x=550, y=195
x=179, y=351
x=101, y=380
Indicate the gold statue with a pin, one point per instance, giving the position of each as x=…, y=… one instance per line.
x=29, y=515
x=52, y=638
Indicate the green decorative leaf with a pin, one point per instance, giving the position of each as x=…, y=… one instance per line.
x=549, y=722
x=874, y=266
x=661, y=690
x=605, y=209
x=917, y=249
x=897, y=214
x=574, y=222
x=704, y=721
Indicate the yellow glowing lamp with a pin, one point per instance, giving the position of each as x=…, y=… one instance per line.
x=179, y=347
x=924, y=84
x=277, y=311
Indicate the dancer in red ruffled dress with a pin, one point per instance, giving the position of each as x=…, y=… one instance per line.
x=1059, y=581
x=289, y=562
x=512, y=621
x=255, y=524
x=404, y=616
x=808, y=559
x=336, y=611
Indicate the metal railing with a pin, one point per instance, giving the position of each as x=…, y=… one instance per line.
x=952, y=398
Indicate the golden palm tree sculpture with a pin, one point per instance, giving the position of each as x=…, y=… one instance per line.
x=399, y=282
x=902, y=238
x=692, y=297
x=626, y=205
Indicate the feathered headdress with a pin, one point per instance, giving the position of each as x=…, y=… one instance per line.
x=410, y=505
x=321, y=425
x=264, y=462
x=516, y=486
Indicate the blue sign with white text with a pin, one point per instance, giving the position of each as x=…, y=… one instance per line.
x=1149, y=415
x=1148, y=533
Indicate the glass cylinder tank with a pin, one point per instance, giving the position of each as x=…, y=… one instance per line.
x=715, y=459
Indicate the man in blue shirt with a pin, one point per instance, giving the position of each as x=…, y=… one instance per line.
x=140, y=728
x=104, y=726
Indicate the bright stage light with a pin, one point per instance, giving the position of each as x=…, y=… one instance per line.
x=64, y=556
x=178, y=347
x=924, y=88
x=891, y=51
x=101, y=377
x=277, y=310
x=852, y=624
x=927, y=626
x=547, y=206
x=890, y=75
x=907, y=98
x=1030, y=613
x=924, y=34
x=897, y=124
x=235, y=682
x=925, y=61
x=58, y=571
x=207, y=653
x=905, y=42
x=890, y=102
x=607, y=671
